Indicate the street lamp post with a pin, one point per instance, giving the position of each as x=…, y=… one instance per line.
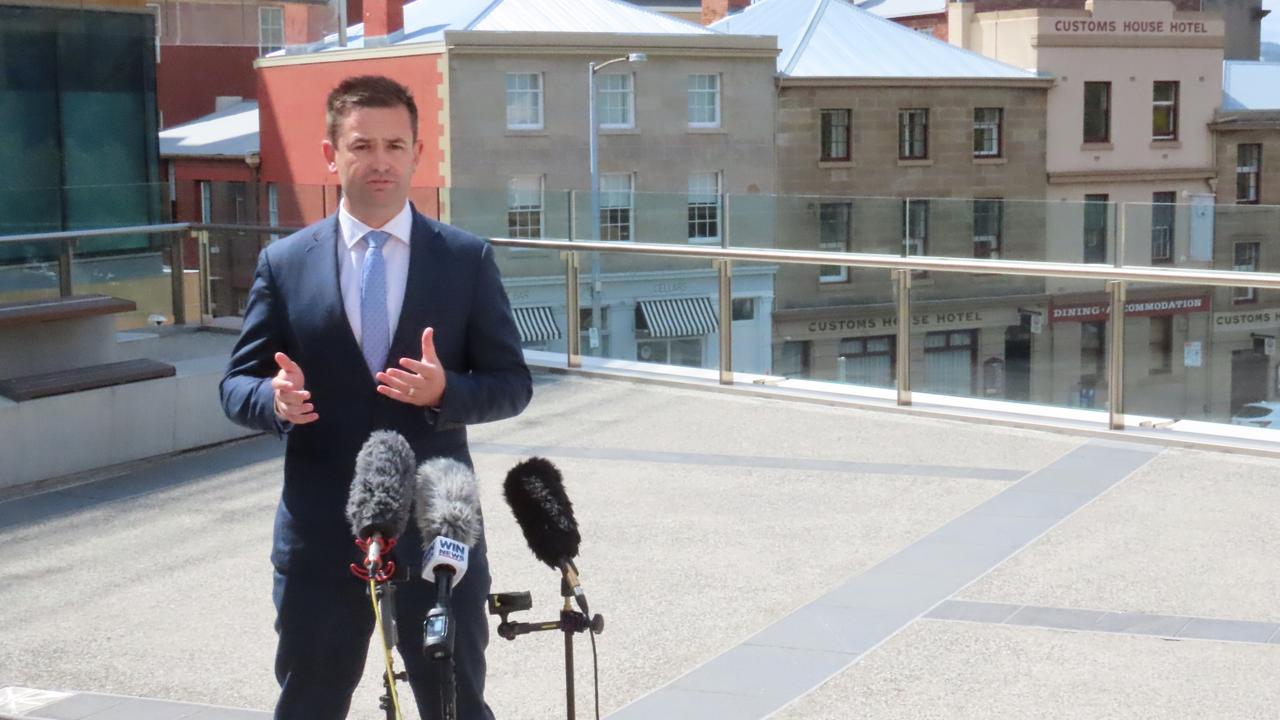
x=592, y=122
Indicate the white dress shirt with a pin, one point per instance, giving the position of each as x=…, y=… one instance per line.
x=395, y=254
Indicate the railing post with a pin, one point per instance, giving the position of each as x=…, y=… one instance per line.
x=725, y=268
x=177, y=277
x=902, y=296
x=573, y=320
x=1115, y=355
x=66, y=257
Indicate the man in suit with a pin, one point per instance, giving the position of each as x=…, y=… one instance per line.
x=374, y=318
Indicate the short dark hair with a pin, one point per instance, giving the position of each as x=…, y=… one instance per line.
x=368, y=91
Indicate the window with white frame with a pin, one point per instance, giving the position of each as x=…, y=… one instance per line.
x=206, y=201
x=836, y=135
x=1245, y=259
x=615, y=100
x=616, y=205
x=524, y=207
x=704, y=100
x=704, y=207
x=833, y=236
x=1162, y=214
x=988, y=220
x=916, y=221
x=273, y=208
x=1248, y=169
x=987, y=126
x=1097, y=112
x=270, y=29
x=915, y=236
x=1164, y=110
x=524, y=101
x=913, y=134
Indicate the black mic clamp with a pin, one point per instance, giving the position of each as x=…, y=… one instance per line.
x=571, y=621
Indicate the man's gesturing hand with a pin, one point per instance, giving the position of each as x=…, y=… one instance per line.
x=291, y=396
x=423, y=384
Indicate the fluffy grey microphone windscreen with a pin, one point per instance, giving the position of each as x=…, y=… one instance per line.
x=447, y=501
x=382, y=491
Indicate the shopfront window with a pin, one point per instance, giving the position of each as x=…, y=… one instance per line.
x=867, y=361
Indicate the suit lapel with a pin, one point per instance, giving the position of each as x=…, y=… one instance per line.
x=322, y=273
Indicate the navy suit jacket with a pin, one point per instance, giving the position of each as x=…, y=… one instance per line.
x=295, y=306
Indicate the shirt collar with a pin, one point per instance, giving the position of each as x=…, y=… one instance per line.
x=399, y=227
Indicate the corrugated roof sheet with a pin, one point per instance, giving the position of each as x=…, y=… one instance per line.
x=230, y=132
x=1250, y=85
x=427, y=20
x=903, y=8
x=832, y=38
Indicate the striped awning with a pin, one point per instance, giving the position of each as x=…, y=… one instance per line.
x=679, y=317
x=536, y=324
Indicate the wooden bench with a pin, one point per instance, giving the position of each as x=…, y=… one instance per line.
x=63, y=308
x=61, y=382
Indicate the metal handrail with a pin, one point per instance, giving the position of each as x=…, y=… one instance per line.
x=96, y=232
x=1116, y=276
x=1034, y=268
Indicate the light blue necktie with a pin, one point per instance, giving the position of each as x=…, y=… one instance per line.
x=375, y=330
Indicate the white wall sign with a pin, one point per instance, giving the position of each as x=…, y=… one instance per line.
x=1192, y=356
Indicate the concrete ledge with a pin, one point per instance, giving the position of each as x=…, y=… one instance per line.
x=67, y=434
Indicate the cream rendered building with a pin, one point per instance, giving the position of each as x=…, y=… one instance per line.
x=1130, y=151
x=1136, y=84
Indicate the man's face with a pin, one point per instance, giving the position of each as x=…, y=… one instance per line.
x=374, y=157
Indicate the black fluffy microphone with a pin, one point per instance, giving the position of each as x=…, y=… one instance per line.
x=535, y=492
x=447, y=501
x=381, y=493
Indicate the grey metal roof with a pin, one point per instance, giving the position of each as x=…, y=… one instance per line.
x=427, y=20
x=832, y=38
x=230, y=132
x=903, y=8
x=683, y=4
x=1250, y=85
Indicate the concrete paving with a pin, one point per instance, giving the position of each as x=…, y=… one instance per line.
x=717, y=528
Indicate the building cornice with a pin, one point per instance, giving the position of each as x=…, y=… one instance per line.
x=1207, y=42
x=1232, y=120
x=1131, y=175
x=898, y=82
x=328, y=56
x=484, y=42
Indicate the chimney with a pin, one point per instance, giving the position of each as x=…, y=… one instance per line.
x=960, y=23
x=713, y=10
x=382, y=18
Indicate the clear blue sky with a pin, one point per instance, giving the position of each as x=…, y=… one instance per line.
x=1271, y=23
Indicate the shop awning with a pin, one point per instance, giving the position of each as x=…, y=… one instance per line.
x=679, y=317
x=536, y=324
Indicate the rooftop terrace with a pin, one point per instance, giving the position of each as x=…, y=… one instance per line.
x=754, y=556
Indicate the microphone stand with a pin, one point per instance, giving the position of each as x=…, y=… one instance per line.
x=438, y=641
x=390, y=632
x=382, y=593
x=570, y=623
